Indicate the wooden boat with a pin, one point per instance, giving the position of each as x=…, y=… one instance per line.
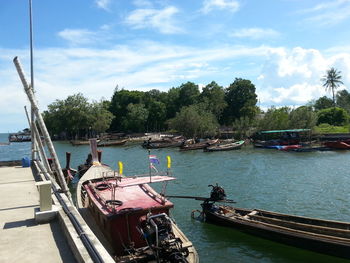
x=130, y=218
x=79, y=142
x=111, y=143
x=199, y=145
x=151, y=145
x=324, y=236
x=341, y=145
x=225, y=147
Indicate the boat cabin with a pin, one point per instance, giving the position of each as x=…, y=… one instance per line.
x=282, y=137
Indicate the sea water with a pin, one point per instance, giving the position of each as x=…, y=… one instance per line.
x=314, y=184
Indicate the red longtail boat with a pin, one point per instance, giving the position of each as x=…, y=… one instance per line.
x=130, y=218
x=337, y=145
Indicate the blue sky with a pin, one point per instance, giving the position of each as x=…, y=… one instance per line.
x=90, y=46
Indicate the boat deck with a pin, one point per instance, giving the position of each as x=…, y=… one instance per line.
x=21, y=238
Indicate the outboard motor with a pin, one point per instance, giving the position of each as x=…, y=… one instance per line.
x=217, y=193
x=158, y=233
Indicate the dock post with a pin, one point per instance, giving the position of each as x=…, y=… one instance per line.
x=46, y=212
x=45, y=195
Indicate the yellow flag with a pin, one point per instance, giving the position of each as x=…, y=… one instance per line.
x=120, y=164
x=169, y=161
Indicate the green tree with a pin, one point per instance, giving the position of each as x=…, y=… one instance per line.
x=275, y=119
x=119, y=105
x=154, y=95
x=76, y=117
x=323, y=103
x=302, y=118
x=343, y=100
x=241, y=100
x=213, y=97
x=172, y=102
x=194, y=122
x=157, y=116
x=100, y=117
x=333, y=116
x=70, y=115
x=188, y=94
x=331, y=81
x=135, y=118
x=244, y=127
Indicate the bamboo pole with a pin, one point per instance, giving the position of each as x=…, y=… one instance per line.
x=39, y=144
x=42, y=126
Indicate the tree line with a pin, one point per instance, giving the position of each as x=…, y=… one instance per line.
x=193, y=112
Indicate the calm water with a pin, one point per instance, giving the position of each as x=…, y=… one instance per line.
x=308, y=184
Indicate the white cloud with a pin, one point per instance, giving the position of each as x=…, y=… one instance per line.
x=78, y=36
x=293, y=77
x=143, y=3
x=210, y=5
x=255, y=33
x=328, y=13
x=160, y=19
x=326, y=6
x=103, y=4
x=288, y=76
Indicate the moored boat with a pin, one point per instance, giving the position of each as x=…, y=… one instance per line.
x=111, y=143
x=341, y=145
x=225, y=147
x=167, y=144
x=273, y=138
x=24, y=136
x=198, y=145
x=131, y=218
x=324, y=236
x=79, y=142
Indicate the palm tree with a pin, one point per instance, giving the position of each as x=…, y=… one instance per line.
x=331, y=81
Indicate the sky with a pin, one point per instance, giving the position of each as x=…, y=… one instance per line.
x=284, y=47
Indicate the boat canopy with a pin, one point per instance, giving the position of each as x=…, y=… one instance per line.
x=281, y=131
x=131, y=197
x=131, y=181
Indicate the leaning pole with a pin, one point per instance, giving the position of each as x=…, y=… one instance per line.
x=42, y=126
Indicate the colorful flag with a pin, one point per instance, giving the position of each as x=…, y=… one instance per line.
x=153, y=167
x=169, y=161
x=153, y=159
x=120, y=167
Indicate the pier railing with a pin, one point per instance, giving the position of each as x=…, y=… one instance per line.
x=83, y=242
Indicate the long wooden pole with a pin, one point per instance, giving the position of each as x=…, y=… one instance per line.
x=39, y=144
x=42, y=126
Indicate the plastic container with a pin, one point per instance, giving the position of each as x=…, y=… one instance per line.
x=25, y=162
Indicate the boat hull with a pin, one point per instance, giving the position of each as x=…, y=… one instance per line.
x=333, y=246
x=119, y=226
x=198, y=146
x=162, y=145
x=111, y=143
x=339, y=145
x=225, y=147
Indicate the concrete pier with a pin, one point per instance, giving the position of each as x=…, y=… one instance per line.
x=21, y=238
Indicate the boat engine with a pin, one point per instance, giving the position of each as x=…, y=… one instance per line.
x=158, y=233
x=217, y=193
